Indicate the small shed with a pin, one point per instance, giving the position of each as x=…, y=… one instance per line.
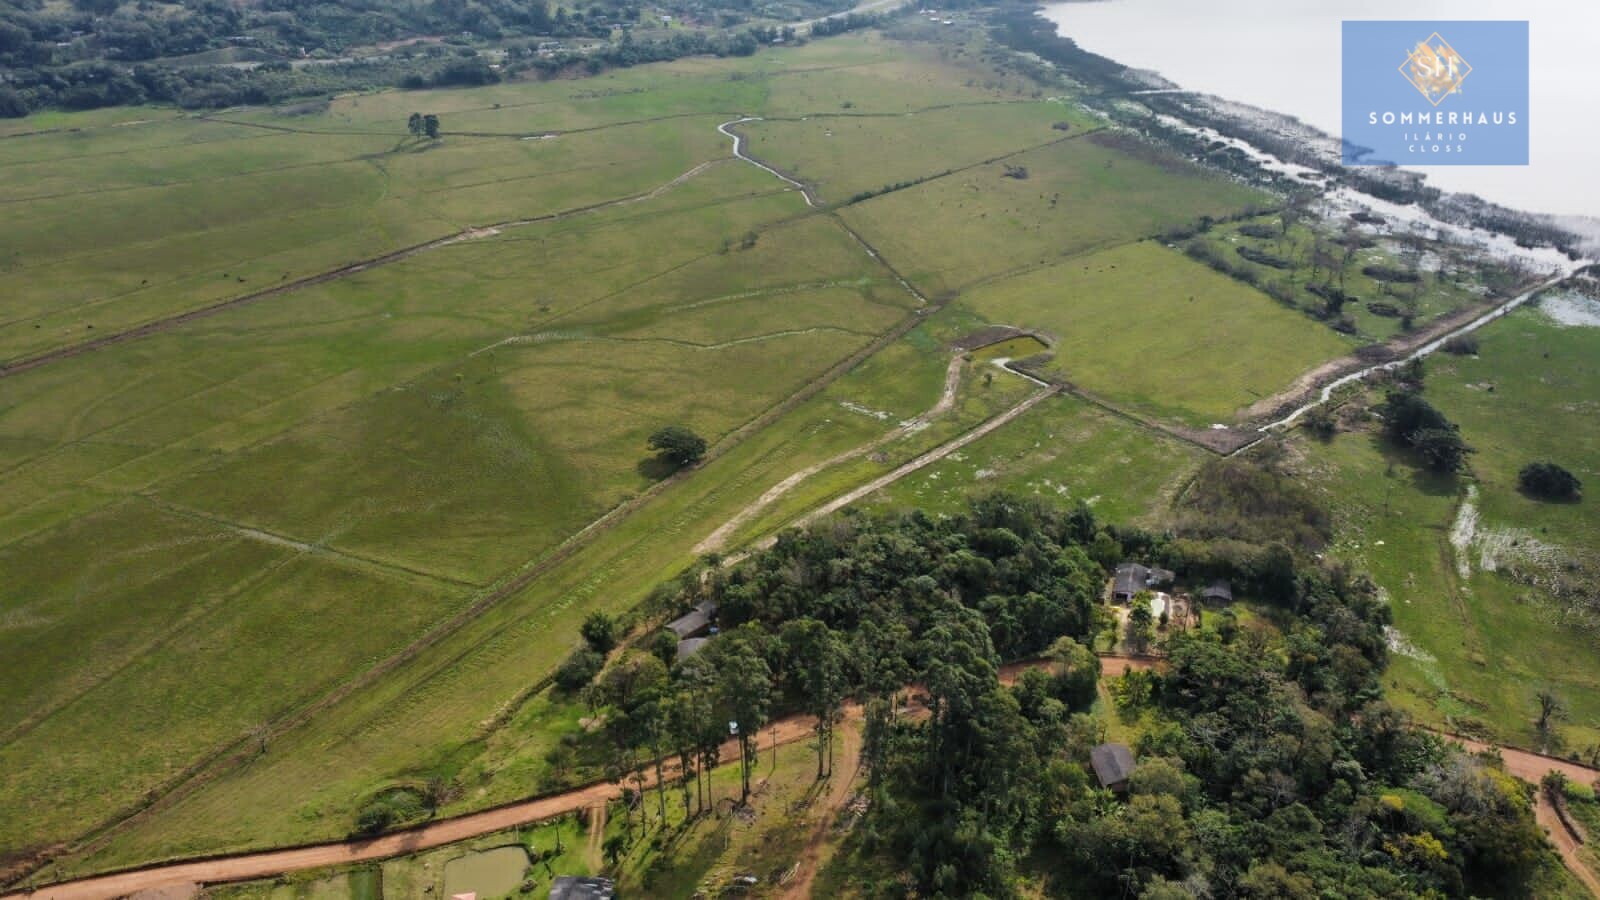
x=574, y=887
x=689, y=647
x=695, y=622
x=1113, y=765
x=1219, y=591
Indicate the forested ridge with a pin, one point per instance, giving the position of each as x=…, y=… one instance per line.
x=206, y=54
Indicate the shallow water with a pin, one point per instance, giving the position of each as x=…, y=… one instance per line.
x=1572, y=309
x=491, y=873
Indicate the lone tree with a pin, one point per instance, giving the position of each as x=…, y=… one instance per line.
x=678, y=444
x=1552, y=709
x=600, y=632
x=430, y=125
x=414, y=124
x=1410, y=420
x=1548, y=481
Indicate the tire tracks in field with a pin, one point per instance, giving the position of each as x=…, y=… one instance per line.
x=167, y=323
x=718, y=539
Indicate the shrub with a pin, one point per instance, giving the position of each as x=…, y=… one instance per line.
x=600, y=632
x=1548, y=481
x=1261, y=258
x=578, y=670
x=1322, y=421
x=1390, y=273
x=1462, y=345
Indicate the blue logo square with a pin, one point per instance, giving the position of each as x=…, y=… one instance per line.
x=1420, y=93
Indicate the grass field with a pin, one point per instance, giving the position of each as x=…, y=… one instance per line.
x=1065, y=451
x=841, y=154
x=1124, y=322
x=420, y=473
x=1476, y=647
x=1079, y=195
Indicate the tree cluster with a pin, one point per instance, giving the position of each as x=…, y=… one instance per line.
x=1269, y=764
x=1413, y=422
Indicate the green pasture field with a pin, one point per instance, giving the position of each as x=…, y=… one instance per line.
x=1065, y=451
x=1462, y=283
x=976, y=225
x=119, y=217
x=1477, y=649
x=1148, y=328
x=429, y=718
x=420, y=474
x=843, y=154
x=1532, y=392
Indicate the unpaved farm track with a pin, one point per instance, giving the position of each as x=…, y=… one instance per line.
x=926, y=459
x=840, y=790
x=718, y=539
x=266, y=864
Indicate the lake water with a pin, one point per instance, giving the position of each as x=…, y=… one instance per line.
x=1283, y=55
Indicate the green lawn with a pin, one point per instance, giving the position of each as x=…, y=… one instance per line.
x=1079, y=195
x=1146, y=327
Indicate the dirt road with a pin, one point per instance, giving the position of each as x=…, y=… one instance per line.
x=926, y=459
x=716, y=540
x=840, y=789
x=265, y=864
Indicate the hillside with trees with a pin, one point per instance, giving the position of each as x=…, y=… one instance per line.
x=1269, y=763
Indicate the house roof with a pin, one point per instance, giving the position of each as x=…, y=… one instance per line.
x=1219, y=590
x=573, y=887
x=694, y=621
x=689, y=647
x=1113, y=763
x=1131, y=578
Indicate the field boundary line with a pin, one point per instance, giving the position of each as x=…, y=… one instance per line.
x=166, y=323
x=311, y=548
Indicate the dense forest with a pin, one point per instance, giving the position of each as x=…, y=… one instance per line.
x=1269, y=764
x=208, y=54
